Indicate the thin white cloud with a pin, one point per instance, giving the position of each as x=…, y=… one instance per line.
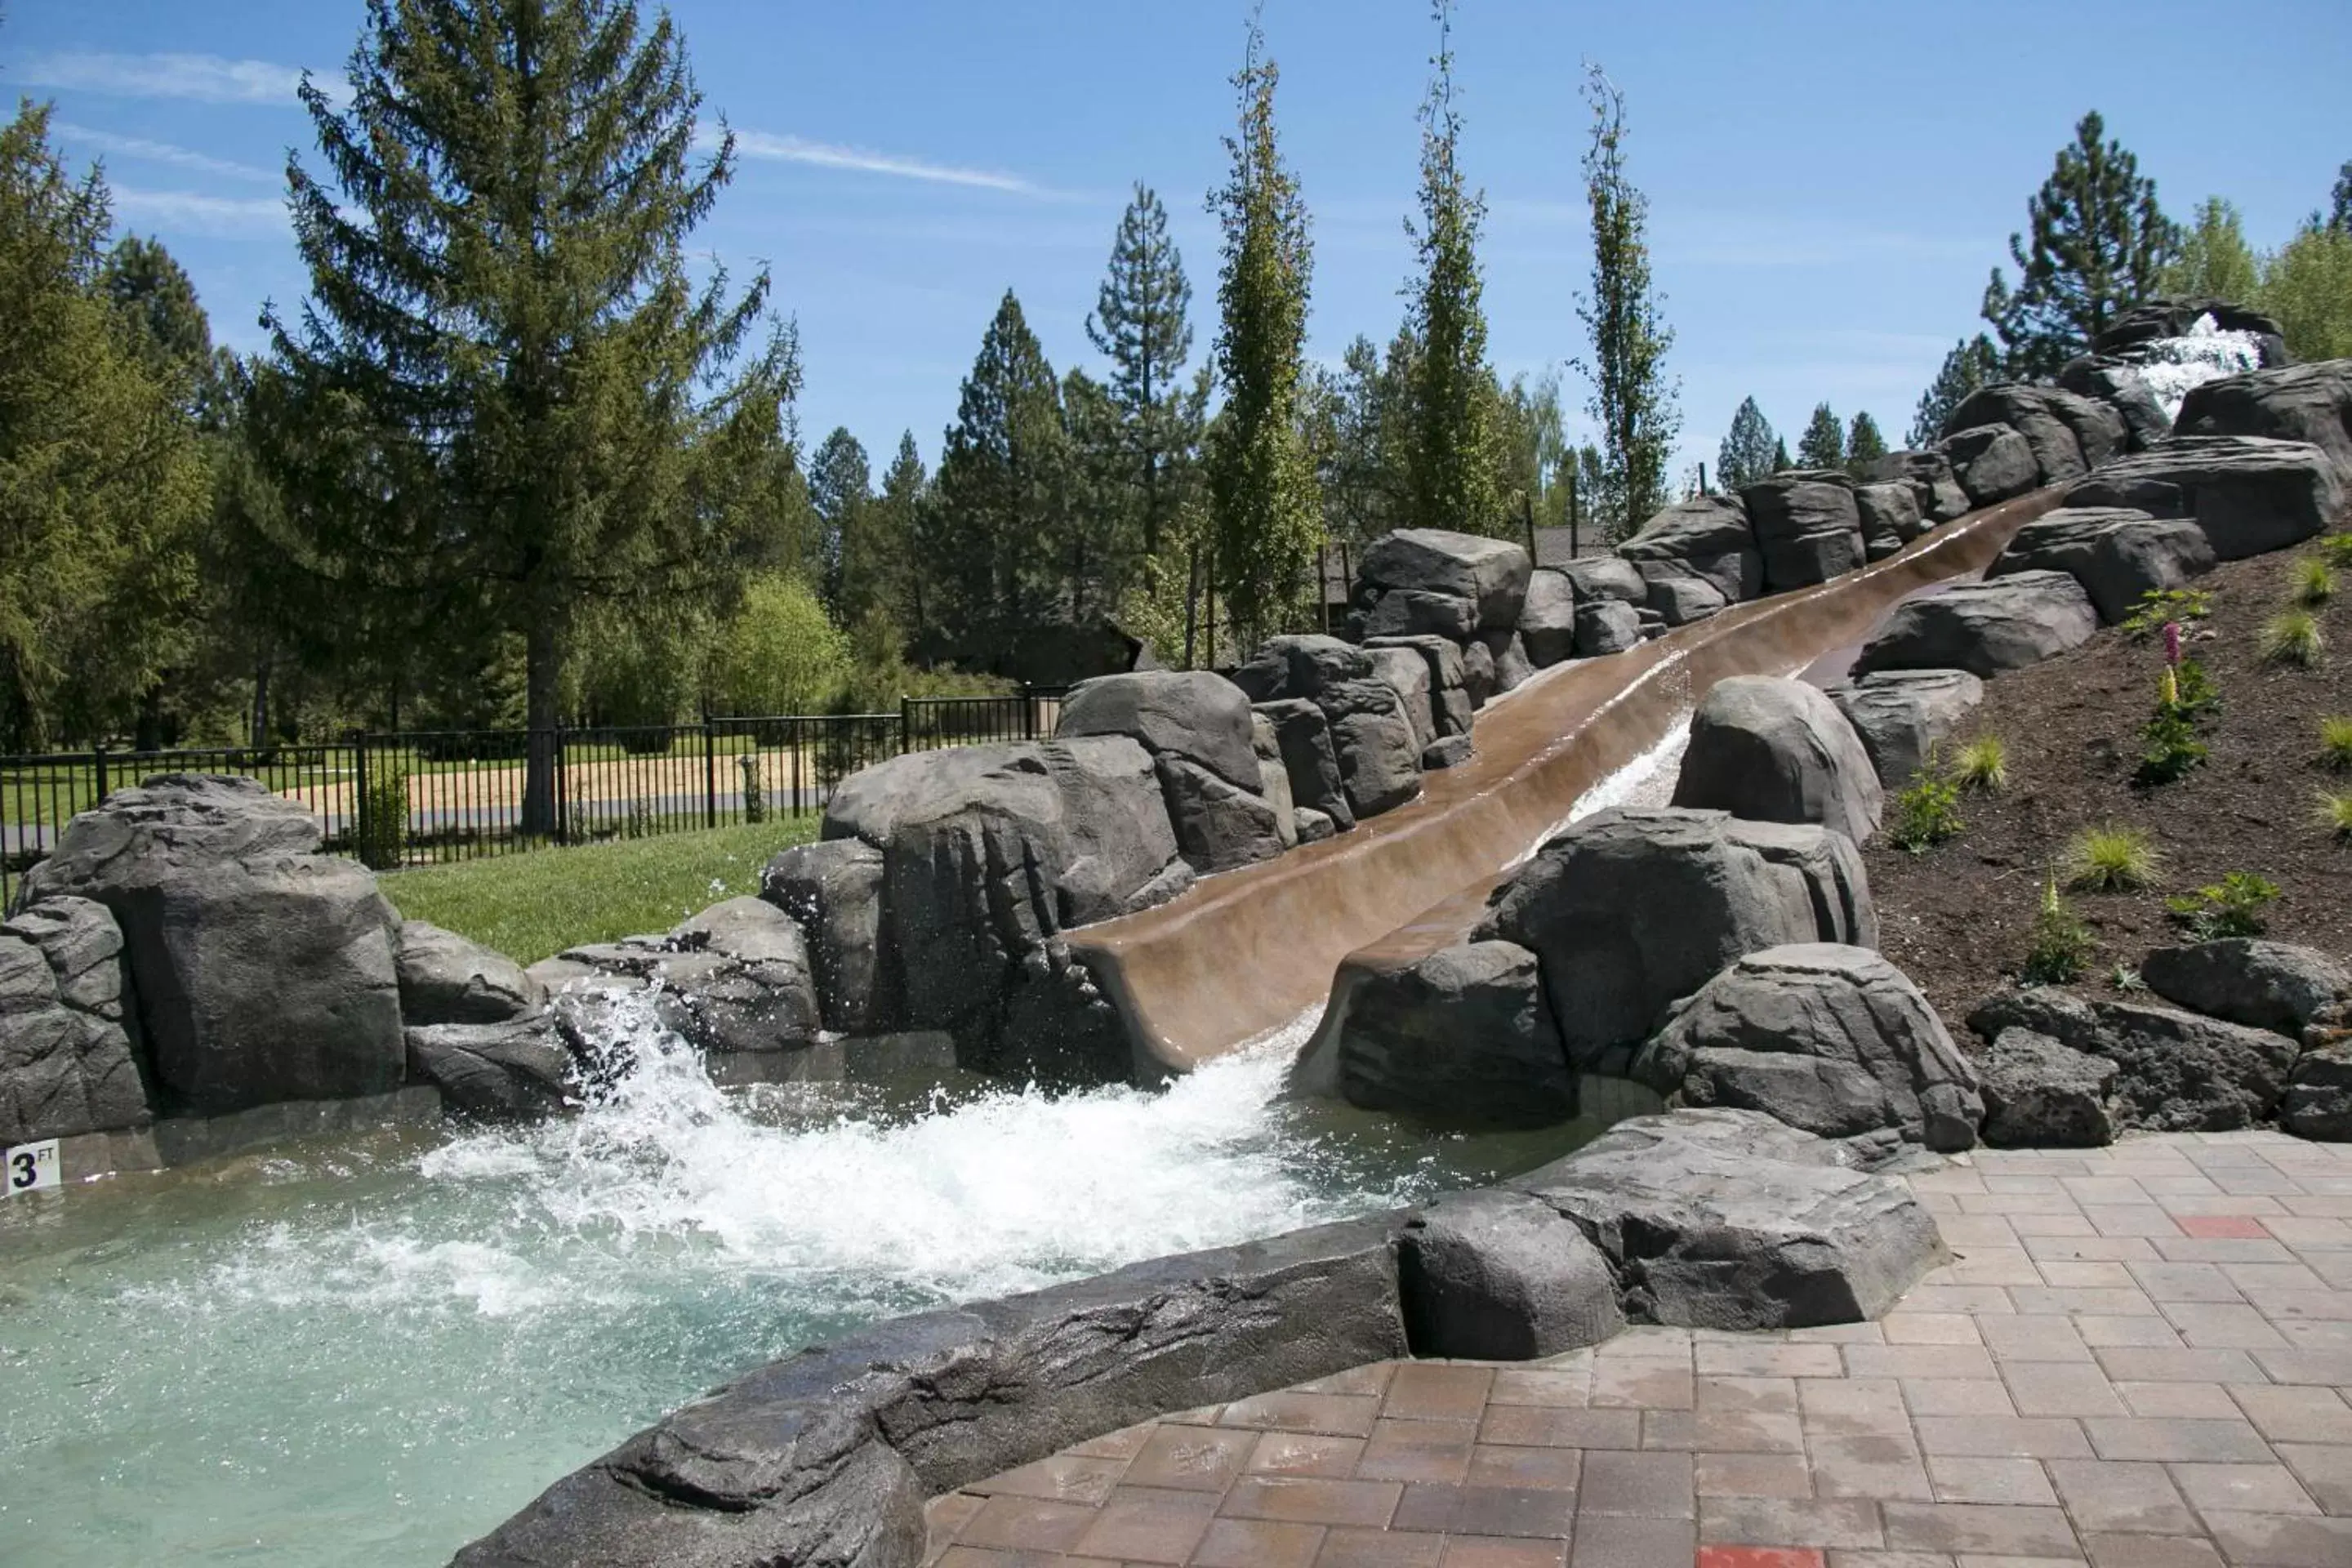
x=206, y=78
x=196, y=213
x=139, y=148
x=769, y=148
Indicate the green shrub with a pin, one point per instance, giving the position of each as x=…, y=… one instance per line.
x=384, y=820
x=1982, y=765
x=2158, y=605
x=2292, y=637
x=2112, y=860
x=2194, y=695
x=2063, y=945
x=2314, y=582
x=2335, y=743
x=1928, y=813
x=2335, y=815
x=2169, y=746
x=2231, y=906
x=2337, y=550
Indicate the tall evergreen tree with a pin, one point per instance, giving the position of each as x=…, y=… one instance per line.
x=1633, y=400
x=2339, y=204
x=1973, y=363
x=879, y=573
x=493, y=406
x=153, y=291
x=1265, y=514
x=1455, y=452
x=992, y=539
x=2099, y=244
x=1822, y=446
x=2214, y=259
x=841, y=486
x=1780, y=463
x=1747, y=452
x=1863, y=444
x=1140, y=323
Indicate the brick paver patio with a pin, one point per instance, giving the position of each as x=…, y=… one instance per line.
x=2138, y=1360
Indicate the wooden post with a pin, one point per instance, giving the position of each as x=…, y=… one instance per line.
x=1528, y=517
x=1702, y=479
x=1574, y=549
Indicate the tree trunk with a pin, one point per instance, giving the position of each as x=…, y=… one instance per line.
x=147, y=731
x=539, y=654
x=260, y=732
x=1191, y=602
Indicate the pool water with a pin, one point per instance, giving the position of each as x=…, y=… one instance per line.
x=374, y=1349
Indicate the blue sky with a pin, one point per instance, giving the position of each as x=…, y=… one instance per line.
x=1829, y=182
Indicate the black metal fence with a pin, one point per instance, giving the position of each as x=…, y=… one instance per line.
x=420, y=797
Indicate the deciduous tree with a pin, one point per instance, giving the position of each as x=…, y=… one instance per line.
x=1633, y=400
x=2214, y=259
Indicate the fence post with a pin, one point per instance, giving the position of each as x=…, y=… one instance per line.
x=562, y=824
x=906, y=722
x=360, y=793
x=98, y=773
x=709, y=775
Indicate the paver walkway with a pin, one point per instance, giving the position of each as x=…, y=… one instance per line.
x=2138, y=1360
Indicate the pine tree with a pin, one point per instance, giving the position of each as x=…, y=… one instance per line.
x=1747, y=454
x=1822, y=446
x=1265, y=514
x=2214, y=261
x=496, y=407
x=154, y=293
x=1863, y=445
x=2099, y=246
x=840, y=484
x=879, y=570
x=1780, y=463
x=2340, y=206
x=1456, y=451
x=992, y=539
x=1973, y=363
x=1632, y=401
x=1140, y=324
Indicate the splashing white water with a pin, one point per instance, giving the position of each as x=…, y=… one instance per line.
x=1647, y=780
x=2175, y=366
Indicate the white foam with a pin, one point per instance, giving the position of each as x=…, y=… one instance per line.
x=2175, y=366
x=1647, y=780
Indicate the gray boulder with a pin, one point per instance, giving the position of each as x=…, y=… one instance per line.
x=2266, y=984
x=1512, y=669
x=1407, y=674
x=2318, y=1100
x=67, y=1062
x=1903, y=715
x=1498, y=1275
x=835, y=889
x=1548, y=621
x=2117, y=554
x=2068, y=434
x=1314, y=826
x=1606, y=577
x=446, y=979
x=1409, y=612
x=1630, y=910
x=1807, y=527
x=263, y=970
x=1929, y=474
x=2173, y=317
x=1450, y=752
x=1304, y=667
x=2179, y=1072
x=1478, y=673
x=1196, y=715
x=1463, y=1037
x=1679, y=597
x=1709, y=537
x=1219, y=826
x=2040, y=1094
x=2003, y=622
x=1727, y=1219
x=1605, y=626
x=1773, y=749
x=1379, y=763
x=1993, y=463
x=826, y=1457
x=1832, y=1040
x=740, y=973
x=2295, y=402
x=1489, y=573
x=1449, y=698
x=1890, y=517
x=1304, y=737
x=519, y=1069
x=2118, y=384
x=2250, y=494
x=1274, y=779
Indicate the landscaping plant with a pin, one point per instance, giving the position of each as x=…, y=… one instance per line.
x=1928, y=813
x=2063, y=945
x=384, y=820
x=2169, y=743
x=2314, y=582
x=2231, y=906
x=2335, y=743
x=2337, y=550
x=2158, y=606
x=2124, y=977
x=1982, y=765
x=755, y=798
x=2112, y=860
x=2335, y=815
x=2292, y=637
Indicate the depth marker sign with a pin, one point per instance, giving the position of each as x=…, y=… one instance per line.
x=30, y=1167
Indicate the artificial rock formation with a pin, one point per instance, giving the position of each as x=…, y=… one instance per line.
x=521, y=1069
x=1606, y=625
x=835, y=889
x=68, y=1065
x=1904, y=715
x=1487, y=578
x=1489, y=1275
x=2041, y=1094
x=2177, y=1072
x=1807, y=527
x=1372, y=735
x=2117, y=554
x=1461, y=1038
x=2003, y=622
x=1772, y=749
x=446, y=979
x=1548, y=622
x=2250, y=494
x=2264, y=984
x=1707, y=537
x=2293, y=403
x=1993, y=463
x=1304, y=738
x=1832, y=1040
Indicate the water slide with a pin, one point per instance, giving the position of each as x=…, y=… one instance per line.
x=1246, y=952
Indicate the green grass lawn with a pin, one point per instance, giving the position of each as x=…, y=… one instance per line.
x=533, y=905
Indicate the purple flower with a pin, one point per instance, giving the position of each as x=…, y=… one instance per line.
x=2172, y=642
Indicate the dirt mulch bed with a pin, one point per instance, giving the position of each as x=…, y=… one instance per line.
x=1958, y=918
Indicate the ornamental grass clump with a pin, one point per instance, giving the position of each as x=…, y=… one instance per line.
x=2063, y=945
x=2112, y=860
x=2229, y=907
x=2337, y=550
x=2292, y=637
x=1981, y=765
x=2335, y=743
x=2314, y=582
x=2335, y=815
